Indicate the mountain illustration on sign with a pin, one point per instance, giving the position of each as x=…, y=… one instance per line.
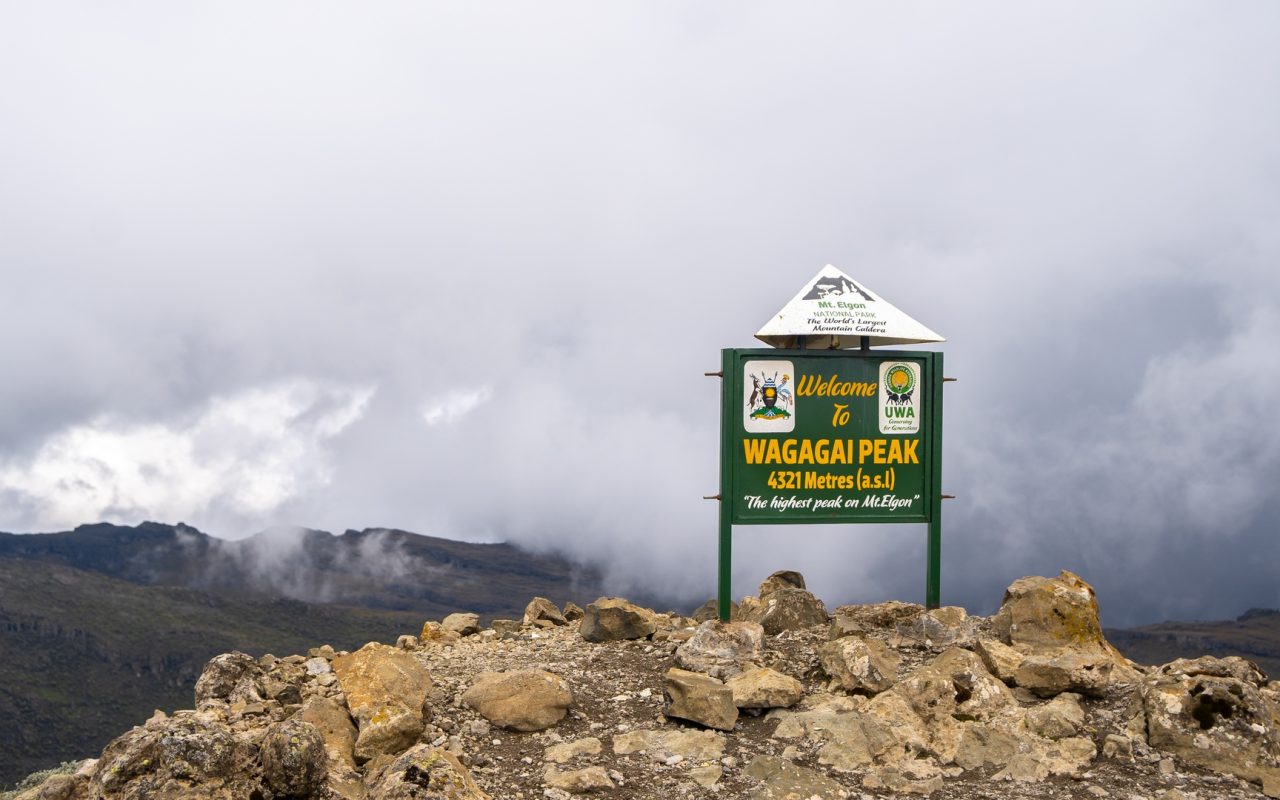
x=834, y=286
x=769, y=396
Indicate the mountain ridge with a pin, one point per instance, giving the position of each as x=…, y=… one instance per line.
x=101, y=625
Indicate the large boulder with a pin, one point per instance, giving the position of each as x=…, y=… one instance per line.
x=185, y=756
x=523, y=700
x=338, y=733
x=425, y=773
x=611, y=619
x=782, y=579
x=540, y=609
x=1218, y=713
x=699, y=698
x=386, y=691
x=463, y=623
x=294, y=761
x=722, y=649
x=859, y=620
x=786, y=608
x=764, y=688
x=1052, y=624
x=230, y=678
x=859, y=665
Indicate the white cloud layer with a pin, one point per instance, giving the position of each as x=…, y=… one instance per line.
x=241, y=457
x=454, y=405
x=533, y=229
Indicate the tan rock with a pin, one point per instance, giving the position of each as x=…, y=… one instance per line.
x=917, y=776
x=338, y=733
x=434, y=634
x=523, y=700
x=540, y=608
x=699, y=698
x=387, y=729
x=781, y=779
x=661, y=745
x=424, y=772
x=955, y=685
x=785, y=609
x=611, y=619
x=1000, y=659
x=1049, y=613
x=386, y=690
x=782, y=579
x=1058, y=719
x=1214, y=713
x=706, y=775
x=722, y=649
x=1053, y=623
x=764, y=688
x=294, y=761
x=941, y=628
x=859, y=665
x=564, y=752
x=859, y=620
x=580, y=781
x=463, y=624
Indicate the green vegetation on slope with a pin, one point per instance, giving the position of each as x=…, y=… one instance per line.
x=83, y=657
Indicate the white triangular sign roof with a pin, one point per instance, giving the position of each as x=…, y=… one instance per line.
x=835, y=311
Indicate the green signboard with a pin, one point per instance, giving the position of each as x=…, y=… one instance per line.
x=831, y=436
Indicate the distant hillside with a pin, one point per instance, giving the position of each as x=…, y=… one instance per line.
x=1254, y=635
x=374, y=568
x=101, y=625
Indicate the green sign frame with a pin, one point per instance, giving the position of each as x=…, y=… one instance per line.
x=830, y=437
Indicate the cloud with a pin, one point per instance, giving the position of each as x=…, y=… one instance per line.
x=534, y=232
x=244, y=455
x=454, y=405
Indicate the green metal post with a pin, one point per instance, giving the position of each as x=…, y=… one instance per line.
x=933, y=566
x=728, y=366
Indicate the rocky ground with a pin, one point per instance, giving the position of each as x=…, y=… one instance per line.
x=787, y=701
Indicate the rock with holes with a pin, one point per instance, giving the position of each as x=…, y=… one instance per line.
x=1215, y=713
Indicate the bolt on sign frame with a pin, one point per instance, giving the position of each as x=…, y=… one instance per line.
x=830, y=437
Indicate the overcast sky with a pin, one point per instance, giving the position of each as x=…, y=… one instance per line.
x=458, y=269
